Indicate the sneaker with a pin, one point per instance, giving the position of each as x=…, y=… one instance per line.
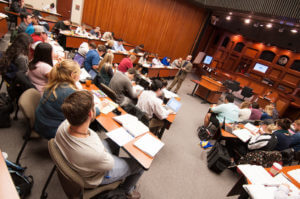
x=134, y=195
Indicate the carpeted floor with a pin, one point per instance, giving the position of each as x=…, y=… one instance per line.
x=179, y=170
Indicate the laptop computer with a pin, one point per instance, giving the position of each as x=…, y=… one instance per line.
x=93, y=74
x=173, y=104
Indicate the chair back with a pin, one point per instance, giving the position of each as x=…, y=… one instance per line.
x=28, y=102
x=134, y=110
x=72, y=183
x=247, y=92
x=109, y=92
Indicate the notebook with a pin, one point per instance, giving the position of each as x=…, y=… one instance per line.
x=257, y=174
x=253, y=129
x=149, y=144
x=168, y=94
x=120, y=136
x=132, y=124
x=173, y=104
x=295, y=174
x=243, y=134
x=107, y=106
x=84, y=74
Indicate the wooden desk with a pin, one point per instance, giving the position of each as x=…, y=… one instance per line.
x=162, y=72
x=110, y=124
x=45, y=13
x=3, y=4
x=7, y=187
x=3, y=27
x=208, y=89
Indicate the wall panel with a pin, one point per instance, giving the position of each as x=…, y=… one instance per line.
x=166, y=27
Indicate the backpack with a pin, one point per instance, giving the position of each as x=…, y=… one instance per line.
x=22, y=183
x=6, y=109
x=218, y=158
x=204, y=133
x=263, y=158
x=117, y=193
x=265, y=142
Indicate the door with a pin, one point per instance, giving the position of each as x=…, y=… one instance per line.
x=64, y=8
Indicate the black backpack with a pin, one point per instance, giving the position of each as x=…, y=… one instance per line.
x=22, y=183
x=117, y=193
x=6, y=109
x=203, y=133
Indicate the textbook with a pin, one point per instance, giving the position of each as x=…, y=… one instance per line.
x=120, y=136
x=107, y=106
x=132, y=124
x=253, y=129
x=149, y=144
x=168, y=94
x=243, y=134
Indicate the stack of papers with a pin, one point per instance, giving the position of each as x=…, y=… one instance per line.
x=169, y=94
x=149, y=145
x=243, y=134
x=132, y=124
x=84, y=74
x=295, y=174
x=120, y=136
x=257, y=174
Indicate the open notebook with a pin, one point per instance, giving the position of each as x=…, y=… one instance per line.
x=132, y=124
x=149, y=144
x=120, y=136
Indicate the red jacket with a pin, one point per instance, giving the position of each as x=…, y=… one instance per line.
x=125, y=65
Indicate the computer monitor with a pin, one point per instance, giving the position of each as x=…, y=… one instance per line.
x=207, y=59
x=260, y=68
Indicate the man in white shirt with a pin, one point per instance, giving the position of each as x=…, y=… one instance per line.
x=50, y=8
x=150, y=103
x=95, y=160
x=118, y=46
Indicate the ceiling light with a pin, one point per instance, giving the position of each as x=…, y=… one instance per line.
x=269, y=25
x=247, y=21
x=272, y=20
x=294, y=31
x=228, y=18
x=230, y=13
x=256, y=25
x=261, y=25
x=280, y=29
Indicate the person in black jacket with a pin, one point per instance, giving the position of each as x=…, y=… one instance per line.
x=61, y=25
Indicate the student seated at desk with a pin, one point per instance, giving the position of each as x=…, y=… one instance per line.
x=18, y=6
x=61, y=84
x=245, y=111
x=15, y=58
x=61, y=26
x=150, y=103
x=94, y=56
x=81, y=30
x=166, y=61
x=118, y=46
x=156, y=61
x=138, y=49
x=26, y=21
x=109, y=44
x=126, y=63
x=30, y=27
x=228, y=110
x=106, y=68
x=121, y=84
x=108, y=36
x=177, y=63
x=96, y=32
x=95, y=160
x=40, y=66
x=295, y=142
x=268, y=113
x=50, y=8
x=255, y=111
x=282, y=134
x=143, y=59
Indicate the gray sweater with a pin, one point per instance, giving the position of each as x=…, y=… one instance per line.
x=87, y=156
x=122, y=86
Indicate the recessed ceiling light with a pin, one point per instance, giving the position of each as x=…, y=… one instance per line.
x=294, y=31
x=228, y=18
x=247, y=21
x=269, y=25
x=280, y=29
x=261, y=25
x=230, y=13
x=272, y=20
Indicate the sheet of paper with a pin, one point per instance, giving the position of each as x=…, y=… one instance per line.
x=149, y=144
x=257, y=174
x=79, y=86
x=126, y=118
x=243, y=134
x=282, y=179
x=253, y=129
x=120, y=136
x=84, y=74
x=295, y=174
x=107, y=106
x=96, y=99
x=260, y=191
x=136, y=129
x=169, y=94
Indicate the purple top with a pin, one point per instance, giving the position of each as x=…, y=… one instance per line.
x=255, y=114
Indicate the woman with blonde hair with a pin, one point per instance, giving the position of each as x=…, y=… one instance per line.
x=109, y=44
x=245, y=111
x=106, y=68
x=61, y=83
x=268, y=113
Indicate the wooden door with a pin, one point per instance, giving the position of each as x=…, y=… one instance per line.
x=64, y=8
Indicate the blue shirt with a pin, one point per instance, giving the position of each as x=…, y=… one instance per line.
x=118, y=47
x=265, y=116
x=230, y=111
x=30, y=29
x=284, y=141
x=165, y=62
x=91, y=58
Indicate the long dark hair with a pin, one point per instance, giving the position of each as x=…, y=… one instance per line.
x=43, y=53
x=19, y=46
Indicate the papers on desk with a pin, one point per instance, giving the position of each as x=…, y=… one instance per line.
x=84, y=74
x=78, y=85
x=132, y=124
x=253, y=129
x=138, y=89
x=282, y=179
x=295, y=174
x=107, y=106
x=260, y=191
x=99, y=93
x=169, y=94
x=146, y=65
x=2, y=15
x=257, y=174
x=243, y=134
x=120, y=136
x=149, y=145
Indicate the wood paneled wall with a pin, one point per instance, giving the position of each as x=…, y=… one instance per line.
x=166, y=27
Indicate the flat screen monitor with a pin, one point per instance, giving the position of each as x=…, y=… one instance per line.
x=207, y=59
x=260, y=68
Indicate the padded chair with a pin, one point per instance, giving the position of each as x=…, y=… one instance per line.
x=109, y=92
x=246, y=92
x=28, y=103
x=71, y=182
x=234, y=86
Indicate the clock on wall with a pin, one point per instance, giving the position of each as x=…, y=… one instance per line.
x=283, y=60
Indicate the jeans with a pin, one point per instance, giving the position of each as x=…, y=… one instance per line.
x=124, y=168
x=295, y=141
